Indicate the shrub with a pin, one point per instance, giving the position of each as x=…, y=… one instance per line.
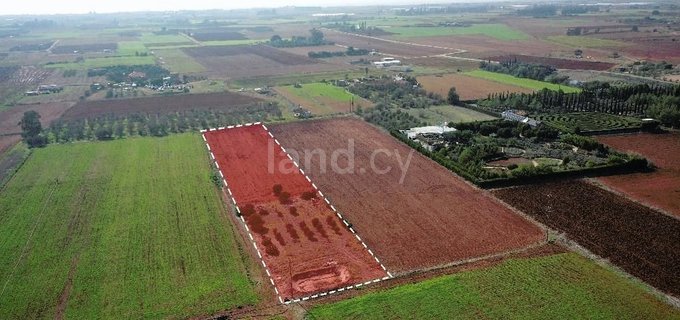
x=277, y=188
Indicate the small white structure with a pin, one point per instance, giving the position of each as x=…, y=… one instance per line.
x=386, y=62
x=414, y=132
x=512, y=116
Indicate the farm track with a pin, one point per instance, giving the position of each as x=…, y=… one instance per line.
x=640, y=240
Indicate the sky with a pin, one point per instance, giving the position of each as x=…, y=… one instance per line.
x=9, y=7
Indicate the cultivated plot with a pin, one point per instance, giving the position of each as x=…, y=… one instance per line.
x=305, y=246
x=429, y=218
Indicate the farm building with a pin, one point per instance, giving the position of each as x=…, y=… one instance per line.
x=414, y=132
x=512, y=116
x=386, y=62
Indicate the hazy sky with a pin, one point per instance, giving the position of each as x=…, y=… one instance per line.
x=84, y=6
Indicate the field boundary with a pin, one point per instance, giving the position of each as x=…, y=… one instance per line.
x=252, y=239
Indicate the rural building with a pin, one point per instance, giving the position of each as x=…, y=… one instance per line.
x=510, y=115
x=386, y=62
x=414, y=132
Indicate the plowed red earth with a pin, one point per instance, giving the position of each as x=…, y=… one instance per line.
x=306, y=246
x=431, y=219
x=638, y=239
x=660, y=189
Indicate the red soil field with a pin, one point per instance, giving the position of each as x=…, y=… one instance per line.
x=556, y=62
x=306, y=246
x=638, y=239
x=431, y=219
x=467, y=87
x=160, y=104
x=660, y=189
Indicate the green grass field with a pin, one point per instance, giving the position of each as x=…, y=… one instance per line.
x=497, y=31
x=585, y=42
x=104, y=62
x=130, y=48
x=588, y=121
x=436, y=115
x=553, y=287
x=150, y=39
x=136, y=224
x=321, y=98
x=522, y=82
x=176, y=60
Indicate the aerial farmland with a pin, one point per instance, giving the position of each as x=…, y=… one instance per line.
x=338, y=161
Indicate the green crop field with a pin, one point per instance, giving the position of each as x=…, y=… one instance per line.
x=129, y=228
x=321, y=98
x=554, y=287
x=131, y=48
x=437, y=115
x=151, y=39
x=497, y=31
x=585, y=42
x=89, y=63
x=176, y=60
x=522, y=82
x=588, y=121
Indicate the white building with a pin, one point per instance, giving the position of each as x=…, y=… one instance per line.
x=414, y=132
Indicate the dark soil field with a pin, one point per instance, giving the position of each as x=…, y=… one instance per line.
x=160, y=104
x=661, y=188
x=481, y=46
x=431, y=219
x=82, y=48
x=555, y=62
x=307, y=247
x=254, y=61
x=7, y=142
x=467, y=87
x=655, y=48
x=640, y=240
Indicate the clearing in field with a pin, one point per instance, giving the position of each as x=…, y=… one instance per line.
x=322, y=98
x=522, y=82
x=661, y=188
x=496, y=31
x=432, y=218
x=126, y=228
x=588, y=122
x=306, y=248
x=640, y=240
x=560, y=286
x=436, y=115
x=177, y=60
x=585, y=42
x=469, y=88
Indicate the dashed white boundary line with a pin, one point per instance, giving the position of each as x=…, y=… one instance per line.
x=252, y=239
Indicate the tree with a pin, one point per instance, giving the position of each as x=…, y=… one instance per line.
x=317, y=36
x=104, y=133
x=275, y=38
x=30, y=124
x=453, y=97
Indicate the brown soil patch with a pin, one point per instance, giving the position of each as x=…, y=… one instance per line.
x=660, y=189
x=432, y=218
x=10, y=118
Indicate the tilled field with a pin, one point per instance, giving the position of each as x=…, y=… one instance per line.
x=82, y=48
x=10, y=118
x=555, y=62
x=160, y=104
x=467, y=87
x=397, y=48
x=640, y=240
x=307, y=247
x=660, y=188
x=432, y=218
x=255, y=61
